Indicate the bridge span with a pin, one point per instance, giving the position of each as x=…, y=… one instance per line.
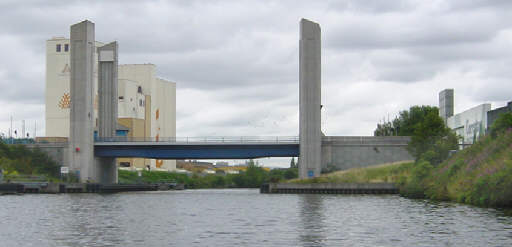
x=245, y=147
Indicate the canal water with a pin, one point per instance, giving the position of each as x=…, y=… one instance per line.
x=245, y=218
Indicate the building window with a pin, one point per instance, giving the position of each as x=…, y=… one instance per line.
x=66, y=47
x=124, y=164
x=139, y=90
x=140, y=102
x=121, y=98
x=58, y=47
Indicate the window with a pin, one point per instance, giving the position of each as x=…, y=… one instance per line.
x=139, y=89
x=121, y=98
x=58, y=47
x=140, y=102
x=124, y=164
x=66, y=47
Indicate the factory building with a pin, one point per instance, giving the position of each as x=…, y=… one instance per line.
x=146, y=104
x=472, y=123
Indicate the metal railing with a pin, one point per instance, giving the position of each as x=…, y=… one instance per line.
x=206, y=139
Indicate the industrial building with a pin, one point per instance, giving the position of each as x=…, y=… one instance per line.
x=494, y=114
x=146, y=103
x=469, y=124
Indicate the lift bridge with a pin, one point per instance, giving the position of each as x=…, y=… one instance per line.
x=245, y=147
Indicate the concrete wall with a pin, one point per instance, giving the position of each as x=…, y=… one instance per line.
x=470, y=124
x=57, y=151
x=345, y=152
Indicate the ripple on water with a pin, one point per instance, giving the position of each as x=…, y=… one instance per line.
x=245, y=218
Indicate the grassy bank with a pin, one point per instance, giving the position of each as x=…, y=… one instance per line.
x=391, y=172
x=479, y=175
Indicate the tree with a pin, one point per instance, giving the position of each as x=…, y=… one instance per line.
x=292, y=163
x=501, y=124
x=406, y=122
x=431, y=140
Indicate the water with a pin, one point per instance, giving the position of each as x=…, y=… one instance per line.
x=244, y=218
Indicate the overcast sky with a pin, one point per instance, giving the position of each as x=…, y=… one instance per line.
x=236, y=62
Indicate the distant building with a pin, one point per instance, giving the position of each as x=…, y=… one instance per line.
x=492, y=115
x=221, y=164
x=146, y=104
x=193, y=165
x=469, y=124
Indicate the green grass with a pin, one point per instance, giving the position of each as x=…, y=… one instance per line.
x=391, y=172
x=479, y=175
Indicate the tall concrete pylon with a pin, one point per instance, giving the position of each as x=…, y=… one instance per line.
x=81, y=143
x=107, y=108
x=310, y=99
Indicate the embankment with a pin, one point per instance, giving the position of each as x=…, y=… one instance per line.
x=479, y=175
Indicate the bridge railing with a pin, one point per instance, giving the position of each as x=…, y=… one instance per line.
x=206, y=139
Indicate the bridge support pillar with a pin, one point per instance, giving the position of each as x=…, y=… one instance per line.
x=107, y=108
x=309, y=99
x=81, y=143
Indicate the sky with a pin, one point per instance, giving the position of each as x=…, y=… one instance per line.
x=236, y=62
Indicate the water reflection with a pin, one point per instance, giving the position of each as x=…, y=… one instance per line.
x=312, y=220
x=245, y=218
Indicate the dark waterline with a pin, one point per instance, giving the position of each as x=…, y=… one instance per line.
x=245, y=218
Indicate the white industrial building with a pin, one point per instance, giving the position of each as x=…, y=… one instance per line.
x=146, y=106
x=469, y=124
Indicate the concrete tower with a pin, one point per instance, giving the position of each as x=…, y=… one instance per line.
x=107, y=108
x=81, y=143
x=309, y=99
x=446, y=104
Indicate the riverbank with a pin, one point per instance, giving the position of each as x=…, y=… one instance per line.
x=253, y=177
x=479, y=175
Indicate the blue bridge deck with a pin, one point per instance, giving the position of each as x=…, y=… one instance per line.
x=197, y=148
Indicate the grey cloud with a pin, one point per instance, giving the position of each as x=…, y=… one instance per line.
x=372, y=6
x=236, y=62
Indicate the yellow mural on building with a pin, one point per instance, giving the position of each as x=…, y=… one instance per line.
x=65, y=101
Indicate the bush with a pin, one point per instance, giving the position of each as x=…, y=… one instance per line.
x=502, y=123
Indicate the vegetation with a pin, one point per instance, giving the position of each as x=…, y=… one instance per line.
x=18, y=159
x=375, y=174
x=431, y=140
x=253, y=177
x=407, y=121
x=501, y=124
x=479, y=175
